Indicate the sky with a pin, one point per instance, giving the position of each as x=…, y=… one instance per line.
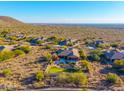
x=64, y=12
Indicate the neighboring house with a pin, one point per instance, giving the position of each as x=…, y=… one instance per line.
x=113, y=55
x=108, y=54
x=35, y=40
x=98, y=42
x=63, y=43
x=21, y=36
x=117, y=56
x=69, y=55
x=59, y=51
x=121, y=49
x=95, y=44
x=66, y=42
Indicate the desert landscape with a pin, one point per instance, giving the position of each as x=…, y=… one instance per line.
x=58, y=57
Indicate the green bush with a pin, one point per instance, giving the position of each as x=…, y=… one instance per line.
x=7, y=72
x=39, y=42
x=72, y=70
x=113, y=78
x=86, y=66
x=94, y=57
x=48, y=57
x=4, y=55
x=88, y=42
x=97, y=52
x=82, y=54
x=114, y=45
x=74, y=79
x=103, y=46
x=18, y=52
x=47, y=47
x=38, y=85
x=64, y=47
x=5, y=32
x=24, y=48
x=70, y=44
x=40, y=75
x=55, y=42
x=52, y=38
x=13, y=38
x=118, y=63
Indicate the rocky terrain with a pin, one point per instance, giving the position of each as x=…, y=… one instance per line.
x=32, y=66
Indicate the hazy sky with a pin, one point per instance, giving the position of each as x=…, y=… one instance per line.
x=64, y=12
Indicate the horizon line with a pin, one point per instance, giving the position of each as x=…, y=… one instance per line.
x=69, y=23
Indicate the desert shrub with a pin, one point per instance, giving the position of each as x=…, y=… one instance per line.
x=6, y=72
x=29, y=39
x=52, y=38
x=47, y=47
x=103, y=46
x=48, y=56
x=114, y=45
x=24, y=48
x=61, y=39
x=70, y=44
x=39, y=75
x=18, y=52
x=40, y=84
x=56, y=42
x=4, y=55
x=13, y=38
x=97, y=52
x=86, y=66
x=113, y=78
x=74, y=79
x=51, y=61
x=12, y=42
x=118, y=63
x=72, y=70
x=94, y=57
x=2, y=39
x=71, y=64
x=82, y=54
x=5, y=32
x=39, y=42
x=88, y=42
x=64, y=47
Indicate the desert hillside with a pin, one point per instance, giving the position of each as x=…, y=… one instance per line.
x=9, y=21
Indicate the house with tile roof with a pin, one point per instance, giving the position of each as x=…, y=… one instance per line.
x=69, y=55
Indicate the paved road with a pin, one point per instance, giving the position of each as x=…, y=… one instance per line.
x=58, y=89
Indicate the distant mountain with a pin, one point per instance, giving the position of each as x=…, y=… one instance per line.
x=9, y=21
